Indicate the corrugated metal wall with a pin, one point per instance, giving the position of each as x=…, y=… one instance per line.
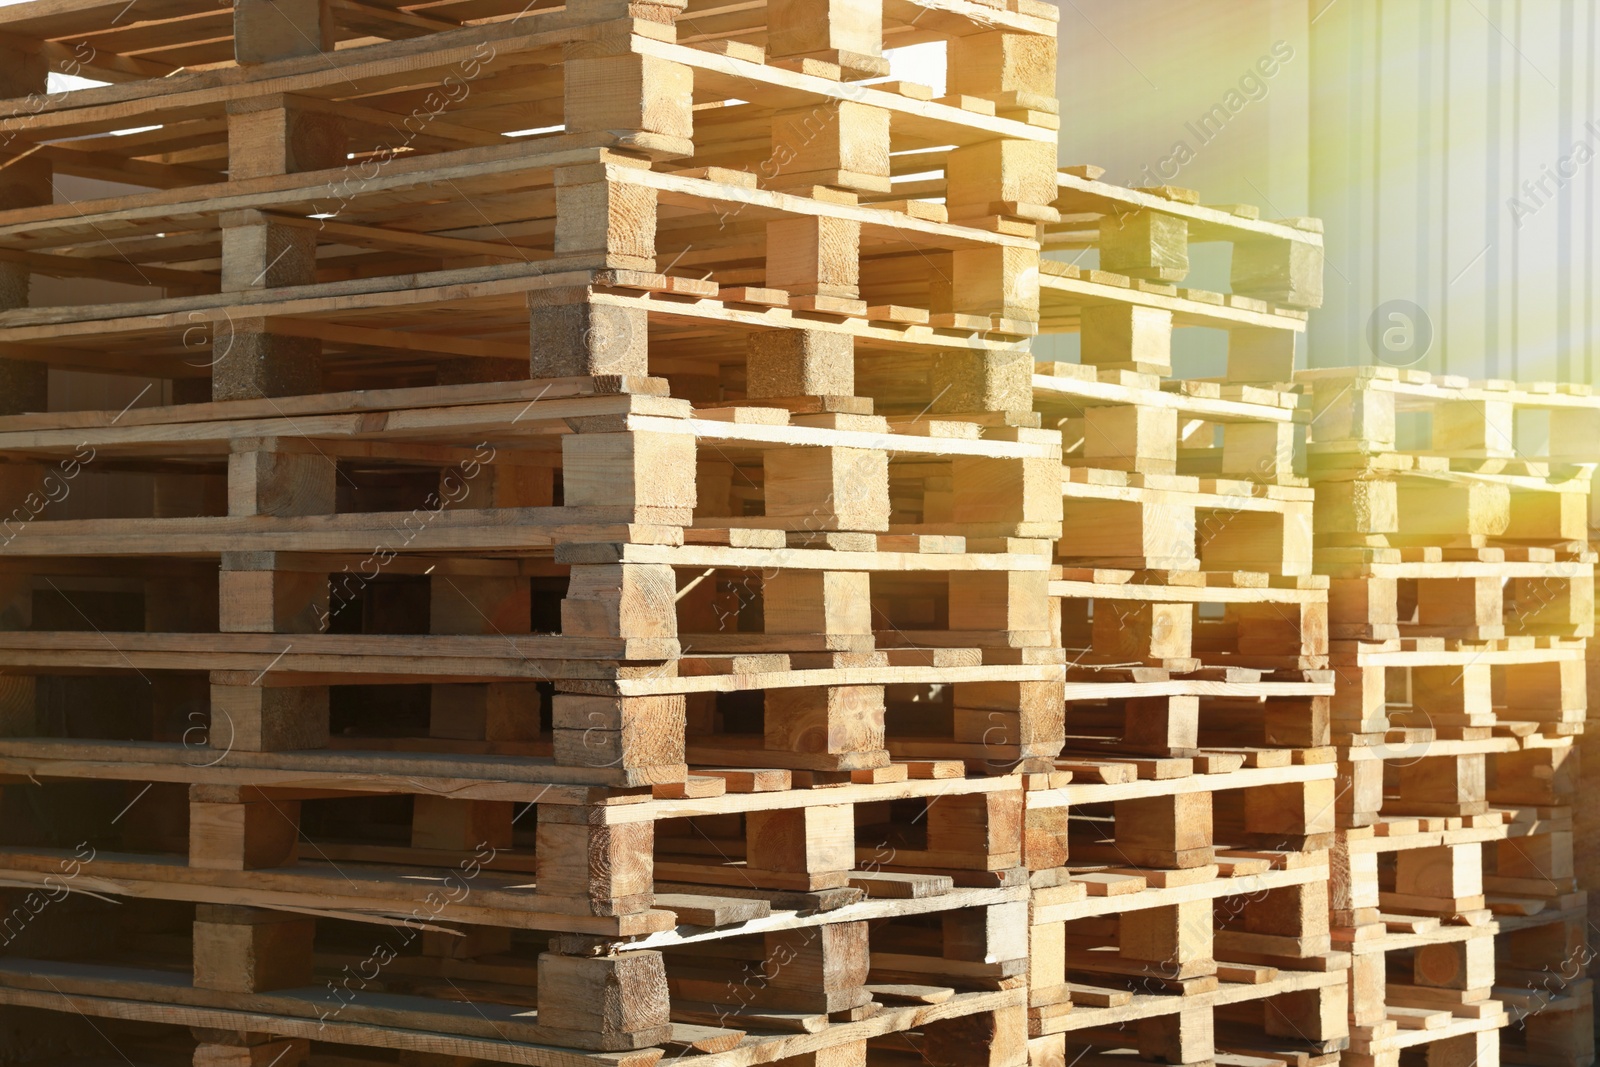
x=1449, y=145
x=1452, y=158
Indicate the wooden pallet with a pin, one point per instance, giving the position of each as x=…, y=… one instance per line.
x=766, y=972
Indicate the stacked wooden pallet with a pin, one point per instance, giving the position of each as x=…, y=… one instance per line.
x=552, y=398
x=1180, y=908
x=1451, y=518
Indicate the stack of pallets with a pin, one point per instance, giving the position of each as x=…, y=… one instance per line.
x=1180, y=909
x=1451, y=519
x=1584, y=796
x=589, y=570
x=552, y=399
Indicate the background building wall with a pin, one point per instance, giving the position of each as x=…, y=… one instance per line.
x=1448, y=145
